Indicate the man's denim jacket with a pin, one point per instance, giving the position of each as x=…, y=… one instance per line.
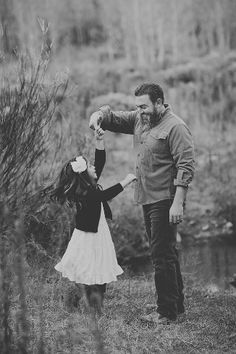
x=164, y=154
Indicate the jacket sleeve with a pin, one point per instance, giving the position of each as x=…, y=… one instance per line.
x=106, y=194
x=118, y=121
x=100, y=159
x=182, y=150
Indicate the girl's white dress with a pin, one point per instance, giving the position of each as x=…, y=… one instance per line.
x=90, y=258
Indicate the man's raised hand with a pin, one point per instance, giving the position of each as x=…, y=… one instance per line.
x=95, y=120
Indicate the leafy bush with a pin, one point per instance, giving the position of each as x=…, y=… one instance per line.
x=127, y=229
x=223, y=189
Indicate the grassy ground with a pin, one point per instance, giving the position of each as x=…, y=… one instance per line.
x=60, y=324
x=57, y=325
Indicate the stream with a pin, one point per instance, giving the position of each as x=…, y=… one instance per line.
x=209, y=263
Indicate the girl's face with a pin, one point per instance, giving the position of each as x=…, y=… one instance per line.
x=91, y=171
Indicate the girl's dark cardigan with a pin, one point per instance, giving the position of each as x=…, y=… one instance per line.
x=88, y=214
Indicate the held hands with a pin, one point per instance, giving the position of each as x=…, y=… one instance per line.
x=128, y=179
x=176, y=213
x=95, y=120
x=99, y=133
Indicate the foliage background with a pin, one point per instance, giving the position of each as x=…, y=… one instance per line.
x=96, y=52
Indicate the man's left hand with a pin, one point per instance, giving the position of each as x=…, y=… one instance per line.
x=176, y=213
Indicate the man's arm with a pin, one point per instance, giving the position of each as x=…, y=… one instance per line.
x=182, y=150
x=114, y=121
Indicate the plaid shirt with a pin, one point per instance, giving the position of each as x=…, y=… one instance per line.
x=164, y=153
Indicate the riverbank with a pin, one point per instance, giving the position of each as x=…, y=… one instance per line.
x=203, y=220
x=59, y=323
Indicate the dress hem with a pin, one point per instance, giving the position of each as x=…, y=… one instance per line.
x=102, y=280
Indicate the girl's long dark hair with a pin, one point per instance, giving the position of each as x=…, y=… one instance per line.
x=72, y=187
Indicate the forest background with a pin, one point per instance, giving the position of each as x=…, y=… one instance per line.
x=60, y=61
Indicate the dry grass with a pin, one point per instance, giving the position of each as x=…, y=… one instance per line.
x=38, y=312
x=209, y=325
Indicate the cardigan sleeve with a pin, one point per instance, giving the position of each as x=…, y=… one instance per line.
x=106, y=194
x=100, y=159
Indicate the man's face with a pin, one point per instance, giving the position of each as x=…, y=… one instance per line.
x=149, y=112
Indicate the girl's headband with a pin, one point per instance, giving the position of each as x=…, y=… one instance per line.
x=79, y=165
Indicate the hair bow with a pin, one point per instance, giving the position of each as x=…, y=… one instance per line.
x=79, y=165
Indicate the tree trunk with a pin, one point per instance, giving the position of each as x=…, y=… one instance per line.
x=175, y=44
x=138, y=33
x=220, y=27
x=9, y=40
x=161, y=45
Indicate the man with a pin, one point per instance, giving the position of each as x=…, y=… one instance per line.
x=164, y=169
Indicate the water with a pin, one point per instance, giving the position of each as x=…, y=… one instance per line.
x=210, y=264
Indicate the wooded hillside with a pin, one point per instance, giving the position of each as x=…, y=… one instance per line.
x=144, y=33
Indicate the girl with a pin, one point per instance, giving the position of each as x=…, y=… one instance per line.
x=90, y=257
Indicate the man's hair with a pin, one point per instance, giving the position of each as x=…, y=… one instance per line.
x=154, y=91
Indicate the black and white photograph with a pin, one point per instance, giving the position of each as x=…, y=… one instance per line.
x=117, y=176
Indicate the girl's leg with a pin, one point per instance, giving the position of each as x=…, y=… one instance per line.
x=95, y=296
x=102, y=290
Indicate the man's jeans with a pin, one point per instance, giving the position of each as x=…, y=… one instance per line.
x=162, y=240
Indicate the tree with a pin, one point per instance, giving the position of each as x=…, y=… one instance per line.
x=9, y=40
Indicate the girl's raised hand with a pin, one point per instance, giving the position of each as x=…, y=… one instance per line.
x=99, y=134
x=128, y=179
x=131, y=177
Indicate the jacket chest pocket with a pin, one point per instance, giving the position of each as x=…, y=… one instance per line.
x=158, y=144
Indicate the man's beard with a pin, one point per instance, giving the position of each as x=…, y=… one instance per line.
x=151, y=120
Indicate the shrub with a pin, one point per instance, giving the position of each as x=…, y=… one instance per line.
x=128, y=232
x=26, y=113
